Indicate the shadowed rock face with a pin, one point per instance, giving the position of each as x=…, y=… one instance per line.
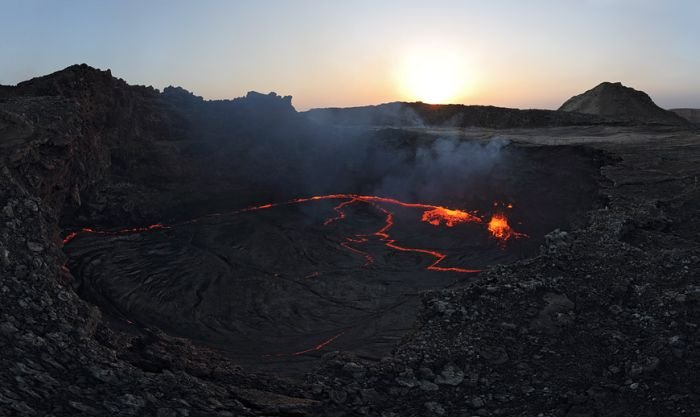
x=615, y=100
x=101, y=151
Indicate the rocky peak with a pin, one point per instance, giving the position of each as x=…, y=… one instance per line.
x=270, y=102
x=180, y=95
x=80, y=82
x=73, y=81
x=614, y=100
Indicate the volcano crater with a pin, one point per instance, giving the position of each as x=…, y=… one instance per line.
x=277, y=285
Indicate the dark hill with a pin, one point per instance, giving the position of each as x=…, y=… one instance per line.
x=614, y=100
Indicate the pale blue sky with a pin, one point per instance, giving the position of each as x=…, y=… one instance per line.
x=533, y=53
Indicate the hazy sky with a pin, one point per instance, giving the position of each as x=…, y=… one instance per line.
x=533, y=53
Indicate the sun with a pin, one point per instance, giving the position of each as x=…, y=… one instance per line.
x=435, y=77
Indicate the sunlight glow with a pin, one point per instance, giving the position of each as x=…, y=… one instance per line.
x=436, y=77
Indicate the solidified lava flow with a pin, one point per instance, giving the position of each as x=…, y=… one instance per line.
x=434, y=215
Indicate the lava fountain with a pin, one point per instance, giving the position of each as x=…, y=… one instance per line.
x=500, y=229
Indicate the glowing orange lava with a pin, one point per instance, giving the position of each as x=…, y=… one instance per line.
x=450, y=217
x=500, y=229
x=384, y=235
x=341, y=213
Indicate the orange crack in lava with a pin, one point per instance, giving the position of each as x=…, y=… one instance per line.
x=341, y=213
x=391, y=243
x=434, y=215
x=72, y=235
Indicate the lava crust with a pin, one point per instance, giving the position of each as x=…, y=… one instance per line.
x=275, y=281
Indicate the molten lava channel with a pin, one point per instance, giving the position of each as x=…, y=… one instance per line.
x=433, y=215
x=436, y=216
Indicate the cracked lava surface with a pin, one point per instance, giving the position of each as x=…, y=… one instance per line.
x=280, y=281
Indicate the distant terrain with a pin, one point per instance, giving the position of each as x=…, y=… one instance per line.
x=614, y=100
x=450, y=115
x=692, y=115
x=606, y=104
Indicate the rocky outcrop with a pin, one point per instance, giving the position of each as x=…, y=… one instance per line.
x=90, y=132
x=97, y=148
x=59, y=357
x=82, y=144
x=616, y=101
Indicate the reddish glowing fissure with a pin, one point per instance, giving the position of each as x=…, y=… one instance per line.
x=318, y=346
x=434, y=215
x=72, y=235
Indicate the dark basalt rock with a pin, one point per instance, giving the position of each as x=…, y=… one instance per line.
x=180, y=96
